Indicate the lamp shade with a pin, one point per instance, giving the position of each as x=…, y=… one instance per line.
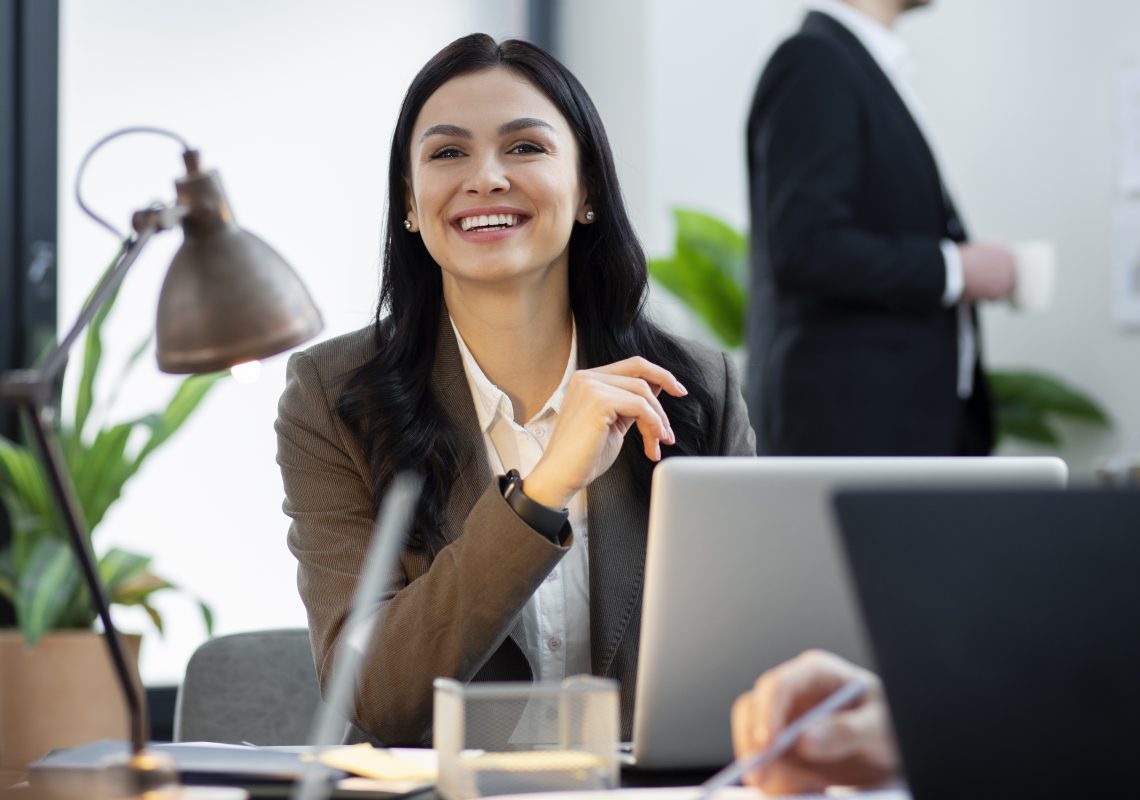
x=228, y=297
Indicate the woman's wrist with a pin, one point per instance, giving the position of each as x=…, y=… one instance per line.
x=539, y=489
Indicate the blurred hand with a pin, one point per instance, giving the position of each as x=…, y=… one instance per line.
x=988, y=271
x=854, y=747
x=599, y=408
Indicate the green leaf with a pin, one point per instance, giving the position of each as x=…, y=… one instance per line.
x=139, y=588
x=93, y=353
x=725, y=248
x=1023, y=421
x=155, y=617
x=101, y=471
x=132, y=361
x=708, y=273
x=24, y=493
x=207, y=617
x=49, y=580
x=1047, y=394
x=191, y=392
x=714, y=298
x=7, y=576
x=118, y=567
x=21, y=474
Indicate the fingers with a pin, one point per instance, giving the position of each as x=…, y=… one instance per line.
x=630, y=391
x=790, y=689
x=784, y=693
x=840, y=736
x=633, y=405
x=641, y=388
x=656, y=376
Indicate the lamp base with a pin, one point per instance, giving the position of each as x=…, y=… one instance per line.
x=145, y=776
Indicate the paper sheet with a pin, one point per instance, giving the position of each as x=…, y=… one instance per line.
x=397, y=770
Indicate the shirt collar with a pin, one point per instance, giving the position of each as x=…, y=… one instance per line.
x=885, y=46
x=492, y=402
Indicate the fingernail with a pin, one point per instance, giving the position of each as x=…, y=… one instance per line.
x=657, y=451
x=682, y=388
x=672, y=437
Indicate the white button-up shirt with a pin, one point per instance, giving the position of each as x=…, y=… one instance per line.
x=892, y=55
x=556, y=619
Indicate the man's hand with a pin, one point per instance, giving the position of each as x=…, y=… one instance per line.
x=988, y=271
x=855, y=746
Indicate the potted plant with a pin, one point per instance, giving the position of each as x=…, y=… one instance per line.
x=58, y=689
x=708, y=273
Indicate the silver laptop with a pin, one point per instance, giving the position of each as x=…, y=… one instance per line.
x=744, y=571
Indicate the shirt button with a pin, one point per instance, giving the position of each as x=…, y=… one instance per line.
x=540, y=432
x=555, y=643
x=553, y=576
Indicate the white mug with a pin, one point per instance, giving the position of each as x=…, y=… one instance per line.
x=1035, y=262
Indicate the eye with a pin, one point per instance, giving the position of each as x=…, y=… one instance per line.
x=447, y=152
x=527, y=148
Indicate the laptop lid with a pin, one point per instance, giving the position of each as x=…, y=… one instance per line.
x=1006, y=627
x=743, y=572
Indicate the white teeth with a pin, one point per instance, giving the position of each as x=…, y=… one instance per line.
x=496, y=221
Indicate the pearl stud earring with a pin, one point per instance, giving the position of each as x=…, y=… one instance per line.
x=589, y=216
x=407, y=225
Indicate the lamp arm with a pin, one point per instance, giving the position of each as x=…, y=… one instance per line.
x=31, y=392
x=53, y=365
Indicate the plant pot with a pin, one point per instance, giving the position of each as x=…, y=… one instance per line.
x=60, y=693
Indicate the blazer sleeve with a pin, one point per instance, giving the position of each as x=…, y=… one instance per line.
x=445, y=621
x=807, y=165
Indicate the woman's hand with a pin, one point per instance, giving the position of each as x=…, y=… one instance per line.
x=599, y=408
x=855, y=746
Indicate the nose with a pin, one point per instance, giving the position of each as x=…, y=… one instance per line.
x=488, y=175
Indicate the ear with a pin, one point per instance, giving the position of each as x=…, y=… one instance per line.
x=410, y=215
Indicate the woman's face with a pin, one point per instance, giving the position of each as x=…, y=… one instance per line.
x=495, y=189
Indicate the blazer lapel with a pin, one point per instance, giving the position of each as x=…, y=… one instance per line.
x=617, y=560
x=449, y=383
x=821, y=24
x=473, y=474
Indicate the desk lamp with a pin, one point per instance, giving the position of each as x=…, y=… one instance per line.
x=228, y=298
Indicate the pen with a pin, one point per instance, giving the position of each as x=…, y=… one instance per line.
x=845, y=694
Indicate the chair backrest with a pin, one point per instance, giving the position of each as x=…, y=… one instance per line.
x=258, y=687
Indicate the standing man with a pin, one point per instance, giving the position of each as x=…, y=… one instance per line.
x=862, y=333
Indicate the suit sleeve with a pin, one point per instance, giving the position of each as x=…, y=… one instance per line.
x=446, y=622
x=807, y=167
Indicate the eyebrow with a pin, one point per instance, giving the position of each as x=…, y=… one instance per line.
x=513, y=126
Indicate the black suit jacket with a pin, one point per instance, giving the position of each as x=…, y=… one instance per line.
x=852, y=351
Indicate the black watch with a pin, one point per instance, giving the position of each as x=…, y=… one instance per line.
x=550, y=522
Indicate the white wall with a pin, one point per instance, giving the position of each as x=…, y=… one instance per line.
x=293, y=102
x=1019, y=94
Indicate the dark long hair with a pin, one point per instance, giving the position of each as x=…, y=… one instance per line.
x=389, y=402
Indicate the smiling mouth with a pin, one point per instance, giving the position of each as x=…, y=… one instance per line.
x=489, y=222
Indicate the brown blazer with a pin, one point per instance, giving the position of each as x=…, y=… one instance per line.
x=455, y=616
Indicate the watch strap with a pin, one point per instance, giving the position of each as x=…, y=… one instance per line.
x=550, y=522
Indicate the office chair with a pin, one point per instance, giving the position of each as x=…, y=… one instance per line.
x=258, y=687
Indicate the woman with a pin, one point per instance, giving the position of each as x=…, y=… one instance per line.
x=509, y=337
